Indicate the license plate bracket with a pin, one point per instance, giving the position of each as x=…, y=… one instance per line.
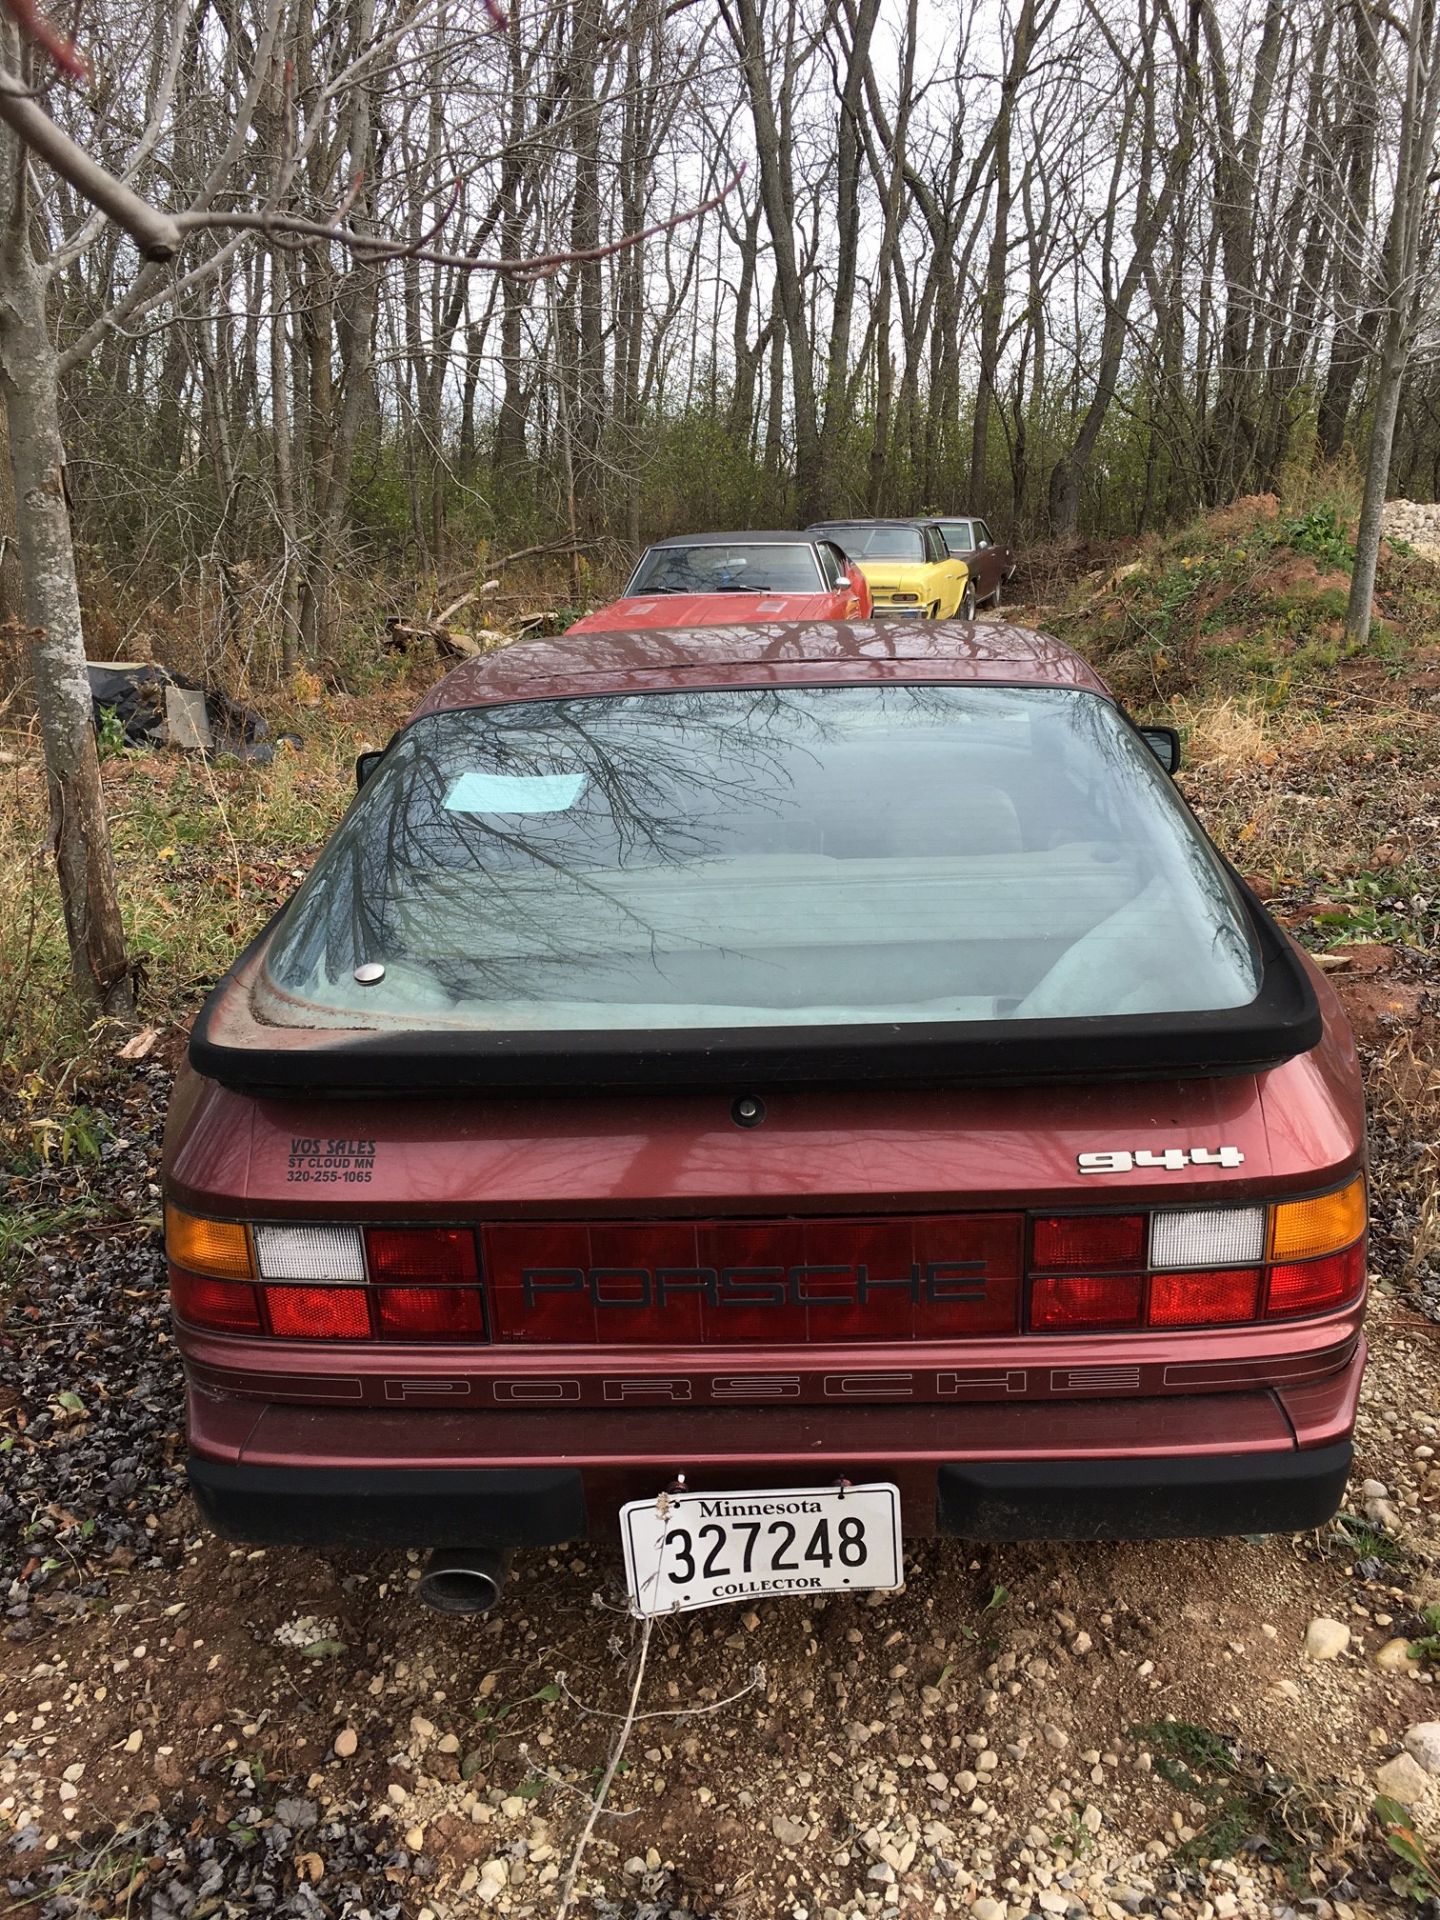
x=693, y=1549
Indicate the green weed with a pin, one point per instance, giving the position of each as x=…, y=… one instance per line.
x=1426, y=1646
x=1320, y=534
x=110, y=734
x=1244, y=1797
x=1396, y=907
x=1356, y=1540
x=1421, y=1881
x=23, y=1227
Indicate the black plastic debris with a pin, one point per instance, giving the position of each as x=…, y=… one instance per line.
x=154, y=707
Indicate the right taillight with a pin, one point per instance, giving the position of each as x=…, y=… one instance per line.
x=1197, y=1266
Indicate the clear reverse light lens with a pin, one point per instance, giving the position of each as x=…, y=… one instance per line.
x=310, y=1253
x=1208, y=1237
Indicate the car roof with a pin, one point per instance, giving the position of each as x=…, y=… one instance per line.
x=749, y=537
x=866, y=520
x=793, y=653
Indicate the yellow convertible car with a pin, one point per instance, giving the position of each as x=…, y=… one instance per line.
x=907, y=565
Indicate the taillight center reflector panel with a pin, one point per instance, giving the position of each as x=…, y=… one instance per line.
x=713, y=1282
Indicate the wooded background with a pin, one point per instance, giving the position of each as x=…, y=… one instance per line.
x=1083, y=266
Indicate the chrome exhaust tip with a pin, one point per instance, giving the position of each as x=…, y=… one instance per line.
x=464, y=1579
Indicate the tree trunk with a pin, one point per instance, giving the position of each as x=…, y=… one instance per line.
x=29, y=382
x=1403, y=292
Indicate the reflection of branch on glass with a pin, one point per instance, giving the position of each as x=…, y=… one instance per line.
x=793, y=854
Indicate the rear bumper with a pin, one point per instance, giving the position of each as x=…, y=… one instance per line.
x=1176, y=1466
x=1160, y=1499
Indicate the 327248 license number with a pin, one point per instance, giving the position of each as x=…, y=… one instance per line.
x=694, y=1550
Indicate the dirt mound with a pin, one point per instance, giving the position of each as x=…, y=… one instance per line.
x=1294, y=574
x=1241, y=515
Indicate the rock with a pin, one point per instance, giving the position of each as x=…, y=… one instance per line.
x=346, y=1742
x=1082, y=1643
x=1374, y=1490
x=987, y=1909
x=790, y=1833
x=1422, y=1743
x=1395, y=1657
x=1383, y=1513
x=1404, y=1779
x=1056, y=1737
x=883, y=1873
x=1326, y=1639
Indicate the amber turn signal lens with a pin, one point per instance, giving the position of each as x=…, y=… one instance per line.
x=1301, y=1229
x=218, y=1247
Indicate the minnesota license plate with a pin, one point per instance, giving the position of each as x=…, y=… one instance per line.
x=687, y=1549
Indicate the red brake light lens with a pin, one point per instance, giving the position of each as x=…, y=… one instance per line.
x=1074, y=1302
x=421, y=1253
x=1204, y=1299
x=1087, y=1242
x=429, y=1313
x=318, y=1313
x=227, y=1306
x=1314, y=1286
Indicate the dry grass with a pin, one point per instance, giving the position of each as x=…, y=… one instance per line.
x=206, y=852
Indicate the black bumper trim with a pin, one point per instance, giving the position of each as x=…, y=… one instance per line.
x=1208, y=1496
x=390, y=1506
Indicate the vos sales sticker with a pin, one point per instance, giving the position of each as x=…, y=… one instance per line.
x=322, y=1162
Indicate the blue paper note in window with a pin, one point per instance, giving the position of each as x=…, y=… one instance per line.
x=513, y=792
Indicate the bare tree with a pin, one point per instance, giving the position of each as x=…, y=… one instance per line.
x=1407, y=275
x=329, y=133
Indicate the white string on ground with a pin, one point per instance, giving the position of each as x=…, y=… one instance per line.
x=617, y=1753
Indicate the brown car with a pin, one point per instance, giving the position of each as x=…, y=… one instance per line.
x=990, y=561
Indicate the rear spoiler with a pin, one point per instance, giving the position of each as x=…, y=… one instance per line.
x=230, y=1045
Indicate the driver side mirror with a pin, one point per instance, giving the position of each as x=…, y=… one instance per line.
x=1164, y=743
x=365, y=765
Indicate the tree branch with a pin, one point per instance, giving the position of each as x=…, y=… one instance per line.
x=160, y=236
x=156, y=234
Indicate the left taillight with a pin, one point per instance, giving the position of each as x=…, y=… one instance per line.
x=321, y=1282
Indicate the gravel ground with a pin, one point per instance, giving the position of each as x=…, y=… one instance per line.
x=196, y=1730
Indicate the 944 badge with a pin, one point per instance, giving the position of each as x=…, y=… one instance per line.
x=1168, y=1160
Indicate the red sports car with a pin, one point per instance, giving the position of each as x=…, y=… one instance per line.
x=735, y=579
x=764, y=1092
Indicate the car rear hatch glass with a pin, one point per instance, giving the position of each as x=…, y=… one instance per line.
x=807, y=855
x=790, y=884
